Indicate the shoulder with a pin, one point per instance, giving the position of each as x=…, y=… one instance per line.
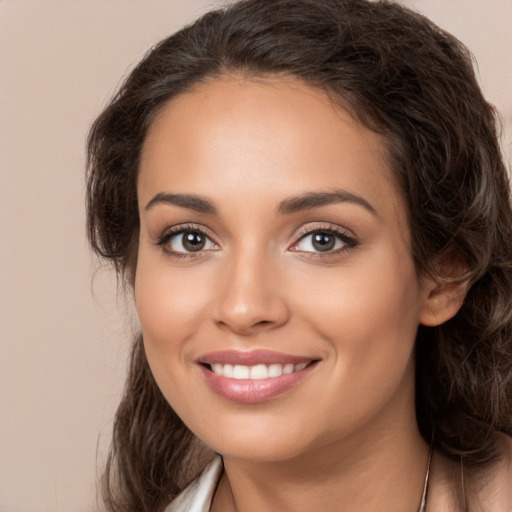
x=496, y=492
x=197, y=497
x=487, y=489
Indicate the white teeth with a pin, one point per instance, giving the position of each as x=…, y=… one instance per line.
x=288, y=368
x=257, y=372
x=241, y=372
x=275, y=370
x=227, y=370
x=217, y=368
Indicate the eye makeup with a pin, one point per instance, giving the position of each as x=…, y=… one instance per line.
x=318, y=241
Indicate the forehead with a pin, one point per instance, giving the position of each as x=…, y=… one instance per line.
x=244, y=137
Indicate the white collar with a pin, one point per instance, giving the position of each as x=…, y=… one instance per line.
x=197, y=497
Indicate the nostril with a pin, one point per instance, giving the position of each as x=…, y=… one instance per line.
x=249, y=314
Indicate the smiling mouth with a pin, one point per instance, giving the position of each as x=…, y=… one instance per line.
x=255, y=376
x=256, y=372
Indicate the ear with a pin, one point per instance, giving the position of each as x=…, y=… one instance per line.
x=443, y=301
x=445, y=292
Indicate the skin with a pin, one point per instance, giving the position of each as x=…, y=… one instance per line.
x=347, y=432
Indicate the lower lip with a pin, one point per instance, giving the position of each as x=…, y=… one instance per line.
x=247, y=391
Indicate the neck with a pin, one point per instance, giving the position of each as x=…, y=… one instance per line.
x=367, y=471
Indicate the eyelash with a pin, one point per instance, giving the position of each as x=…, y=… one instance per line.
x=177, y=230
x=349, y=241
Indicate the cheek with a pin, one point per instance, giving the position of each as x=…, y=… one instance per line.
x=367, y=318
x=367, y=312
x=168, y=307
x=169, y=303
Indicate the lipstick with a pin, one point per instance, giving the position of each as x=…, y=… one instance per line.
x=253, y=377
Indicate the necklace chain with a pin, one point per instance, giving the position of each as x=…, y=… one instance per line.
x=423, y=503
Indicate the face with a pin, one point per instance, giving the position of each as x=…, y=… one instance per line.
x=275, y=286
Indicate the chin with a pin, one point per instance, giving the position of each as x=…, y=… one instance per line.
x=258, y=443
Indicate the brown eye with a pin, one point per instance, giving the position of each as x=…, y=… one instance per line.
x=189, y=241
x=323, y=241
x=193, y=241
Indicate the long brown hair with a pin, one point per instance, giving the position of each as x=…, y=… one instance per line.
x=400, y=75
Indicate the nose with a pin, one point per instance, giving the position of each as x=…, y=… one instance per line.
x=249, y=299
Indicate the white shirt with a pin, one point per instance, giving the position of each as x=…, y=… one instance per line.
x=197, y=497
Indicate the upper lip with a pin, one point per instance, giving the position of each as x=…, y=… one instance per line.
x=252, y=358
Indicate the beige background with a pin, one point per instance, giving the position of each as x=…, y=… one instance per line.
x=62, y=333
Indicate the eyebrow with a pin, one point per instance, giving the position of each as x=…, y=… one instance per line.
x=295, y=204
x=312, y=200
x=190, y=201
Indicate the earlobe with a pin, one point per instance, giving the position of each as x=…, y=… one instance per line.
x=443, y=302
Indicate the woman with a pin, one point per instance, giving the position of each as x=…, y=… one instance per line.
x=309, y=202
